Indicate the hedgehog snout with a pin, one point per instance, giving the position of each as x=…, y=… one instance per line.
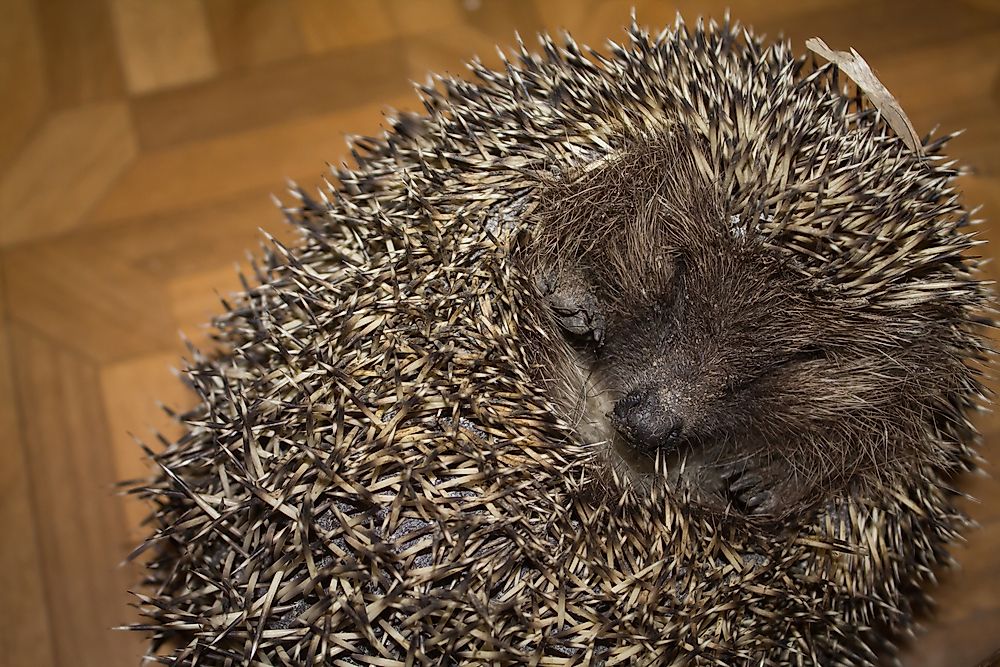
x=647, y=422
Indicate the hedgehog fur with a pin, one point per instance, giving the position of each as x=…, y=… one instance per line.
x=388, y=464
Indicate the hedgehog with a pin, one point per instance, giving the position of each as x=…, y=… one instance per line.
x=665, y=354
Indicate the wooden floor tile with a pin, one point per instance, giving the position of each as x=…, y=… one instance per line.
x=192, y=175
x=163, y=43
x=413, y=17
x=248, y=33
x=966, y=625
x=81, y=525
x=195, y=301
x=983, y=191
x=500, y=19
x=881, y=40
x=595, y=22
x=279, y=92
x=81, y=56
x=87, y=301
x=194, y=240
x=961, y=73
x=556, y=15
x=22, y=78
x=328, y=25
x=25, y=632
x=133, y=393
x=67, y=167
x=448, y=52
x=986, y=5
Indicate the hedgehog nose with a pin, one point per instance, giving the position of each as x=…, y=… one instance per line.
x=631, y=403
x=646, y=422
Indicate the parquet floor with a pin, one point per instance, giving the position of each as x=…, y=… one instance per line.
x=139, y=143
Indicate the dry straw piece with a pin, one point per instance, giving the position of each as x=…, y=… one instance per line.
x=374, y=474
x=854, y=66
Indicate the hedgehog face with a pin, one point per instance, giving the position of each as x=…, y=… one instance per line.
x=698, y=342
x=698, y=359
x=710, y=357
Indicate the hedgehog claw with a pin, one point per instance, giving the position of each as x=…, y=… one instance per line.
x=746, y=483
x=758, y=503
x=747, y=488
x=731, y=470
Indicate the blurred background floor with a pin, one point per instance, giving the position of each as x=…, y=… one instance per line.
x=139, y=143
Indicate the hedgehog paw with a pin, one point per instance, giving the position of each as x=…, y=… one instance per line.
x=749, y=491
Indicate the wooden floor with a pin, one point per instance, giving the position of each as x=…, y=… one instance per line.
x=139, y=143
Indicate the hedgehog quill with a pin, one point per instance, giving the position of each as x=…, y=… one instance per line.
x=662, y=356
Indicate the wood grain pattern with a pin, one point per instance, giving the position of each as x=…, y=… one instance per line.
x=327, y=25
x=25, y=632
x=276, y=93
x=196, y=299
x=64, y=170
x=80, y=524
x=248, y=33
x=412, y=17
x=22, y=76
x=134, y=393
x=446, y=52
x=195, y=174
x=136, y=167
x=81, y=56
x=163, y=43
x=73, y=293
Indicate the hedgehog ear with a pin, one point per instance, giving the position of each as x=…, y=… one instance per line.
x=574, y=305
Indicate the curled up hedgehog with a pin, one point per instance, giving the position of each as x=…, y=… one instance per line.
x=660, y=356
